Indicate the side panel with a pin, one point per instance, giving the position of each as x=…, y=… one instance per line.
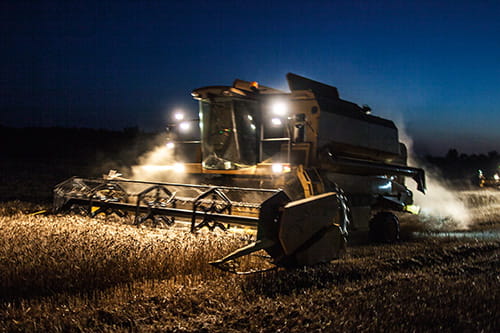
x=308, y=231
x=355, y=136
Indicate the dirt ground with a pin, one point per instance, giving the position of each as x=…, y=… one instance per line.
x=101, y=276
x=434, y=279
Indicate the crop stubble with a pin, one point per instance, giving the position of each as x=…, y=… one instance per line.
x=72, y=273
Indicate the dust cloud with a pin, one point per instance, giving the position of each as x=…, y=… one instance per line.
x=441, y=207
x=159, y=164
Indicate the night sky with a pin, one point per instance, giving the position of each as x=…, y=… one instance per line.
x=433, y=66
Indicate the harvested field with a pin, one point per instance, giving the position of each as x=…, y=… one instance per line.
x=73, y=273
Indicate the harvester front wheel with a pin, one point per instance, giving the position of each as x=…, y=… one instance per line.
x=384, y=227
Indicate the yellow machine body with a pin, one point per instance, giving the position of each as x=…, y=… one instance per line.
x=303, y=167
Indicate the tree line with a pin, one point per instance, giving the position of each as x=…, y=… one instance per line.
x=455, y=165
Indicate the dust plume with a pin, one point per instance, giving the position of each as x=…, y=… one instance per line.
x=441, y=207
x=158, y=164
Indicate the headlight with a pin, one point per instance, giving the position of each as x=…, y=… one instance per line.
x=185, y=126
x=279, y=108
x=179, y=116
x=277, y=168
x=280, y=168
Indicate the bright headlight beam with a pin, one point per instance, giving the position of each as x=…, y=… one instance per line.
x=279, y=108
x=184, y=126
x=179, y=116
x=277, y=168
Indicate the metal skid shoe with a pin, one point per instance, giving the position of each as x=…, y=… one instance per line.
x=155, y=198
x=296, y=233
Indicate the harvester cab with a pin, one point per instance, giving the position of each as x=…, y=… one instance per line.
x=303, y=167
x=308, y=141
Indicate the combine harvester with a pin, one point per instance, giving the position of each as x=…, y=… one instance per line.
x=304, y=168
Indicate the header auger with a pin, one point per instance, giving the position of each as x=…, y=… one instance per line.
x=302, y=168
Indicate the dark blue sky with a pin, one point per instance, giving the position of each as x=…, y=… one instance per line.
x=432, y=65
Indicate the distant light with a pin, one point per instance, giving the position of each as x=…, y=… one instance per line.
x=179, y=115
x=252, y=126
x=496, y=177
x=170, y=145
x=184, y=126
x=276, y=122
x=250, y=117
x=279, y=108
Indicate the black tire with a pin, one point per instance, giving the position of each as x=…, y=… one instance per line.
x=384, y=227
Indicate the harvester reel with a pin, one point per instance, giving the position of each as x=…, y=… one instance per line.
x=155, y=197
x=72, y=186
x=218, y=203
x=107, y=194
